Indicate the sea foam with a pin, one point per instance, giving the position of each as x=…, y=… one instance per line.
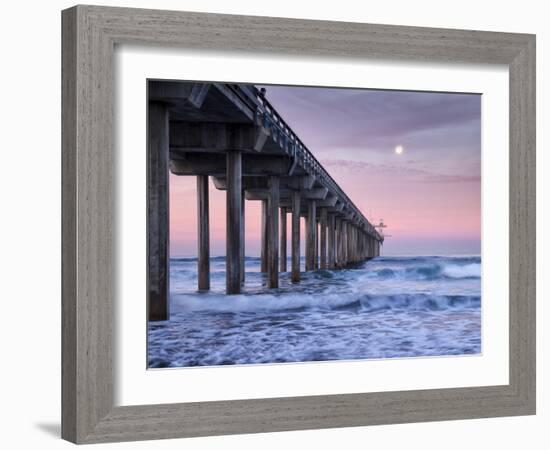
x=385, y=308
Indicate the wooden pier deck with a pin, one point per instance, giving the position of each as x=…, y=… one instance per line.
x=231, y=134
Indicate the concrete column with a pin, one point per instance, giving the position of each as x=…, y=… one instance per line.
x=350, y=243
x=337, y=234
x=355, y=245
x=359, y=244
x=282, y=246
x=316, y=251
x=203, y=232
x=295, y=237
x=344, y=242
x=233, y=222
x=323, y=250
x=352, y=247
x=158, y=258
x=310, y=235
x=273, y=233
x=331, y=240
x=341, y=241
x=351, y=258
x=242, y=257
x=306, y=238
x=263, y=232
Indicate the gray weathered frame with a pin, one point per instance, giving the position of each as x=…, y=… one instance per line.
x=89, y=36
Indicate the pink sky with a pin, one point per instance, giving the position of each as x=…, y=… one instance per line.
x=429, y=196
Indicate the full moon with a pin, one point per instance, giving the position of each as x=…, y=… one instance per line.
x=399, y=149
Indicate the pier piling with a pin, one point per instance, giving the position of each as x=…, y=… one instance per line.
x=273, y=233
x=203, y=240
x=295, y=276
x=263, y=238
x=316, y=250
x=339, y=243
x=158, y=277
x=282, y=247
x=345, y=243
x=311, y=225
x=242, y=252
x=323, y=227
x=233, y=223
x=331, y=240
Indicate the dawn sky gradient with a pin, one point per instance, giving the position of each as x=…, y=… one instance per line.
x=429, y=196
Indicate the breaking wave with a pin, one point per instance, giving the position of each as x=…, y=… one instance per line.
x=387, y=307
x=432, y=271
x=301, y=302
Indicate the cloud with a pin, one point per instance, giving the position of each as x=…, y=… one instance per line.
x=329, y=117
x=412, y=174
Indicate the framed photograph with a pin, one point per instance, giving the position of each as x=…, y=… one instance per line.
x=278, y=224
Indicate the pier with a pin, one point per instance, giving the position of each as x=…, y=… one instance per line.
x=231, y=134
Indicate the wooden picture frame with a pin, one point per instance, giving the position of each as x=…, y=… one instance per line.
x=89, y=36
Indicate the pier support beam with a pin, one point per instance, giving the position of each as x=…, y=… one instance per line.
x=263, y=232
x=342, y=246
x=242, y=256
x=273, y=233
x=295, y=237
x=353, y=246
x=337, y=251
x=158, y=295
x=323, y=224
x=203, y=231
x=233, y=222
x=346, y=243
x=310, y=235
x=331, y=240
x=316, y=251
x=282, y=247
x=359, y=244
x=351, y=243
x=340, y=237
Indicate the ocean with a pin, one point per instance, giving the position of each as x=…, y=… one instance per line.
x=388, y=307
